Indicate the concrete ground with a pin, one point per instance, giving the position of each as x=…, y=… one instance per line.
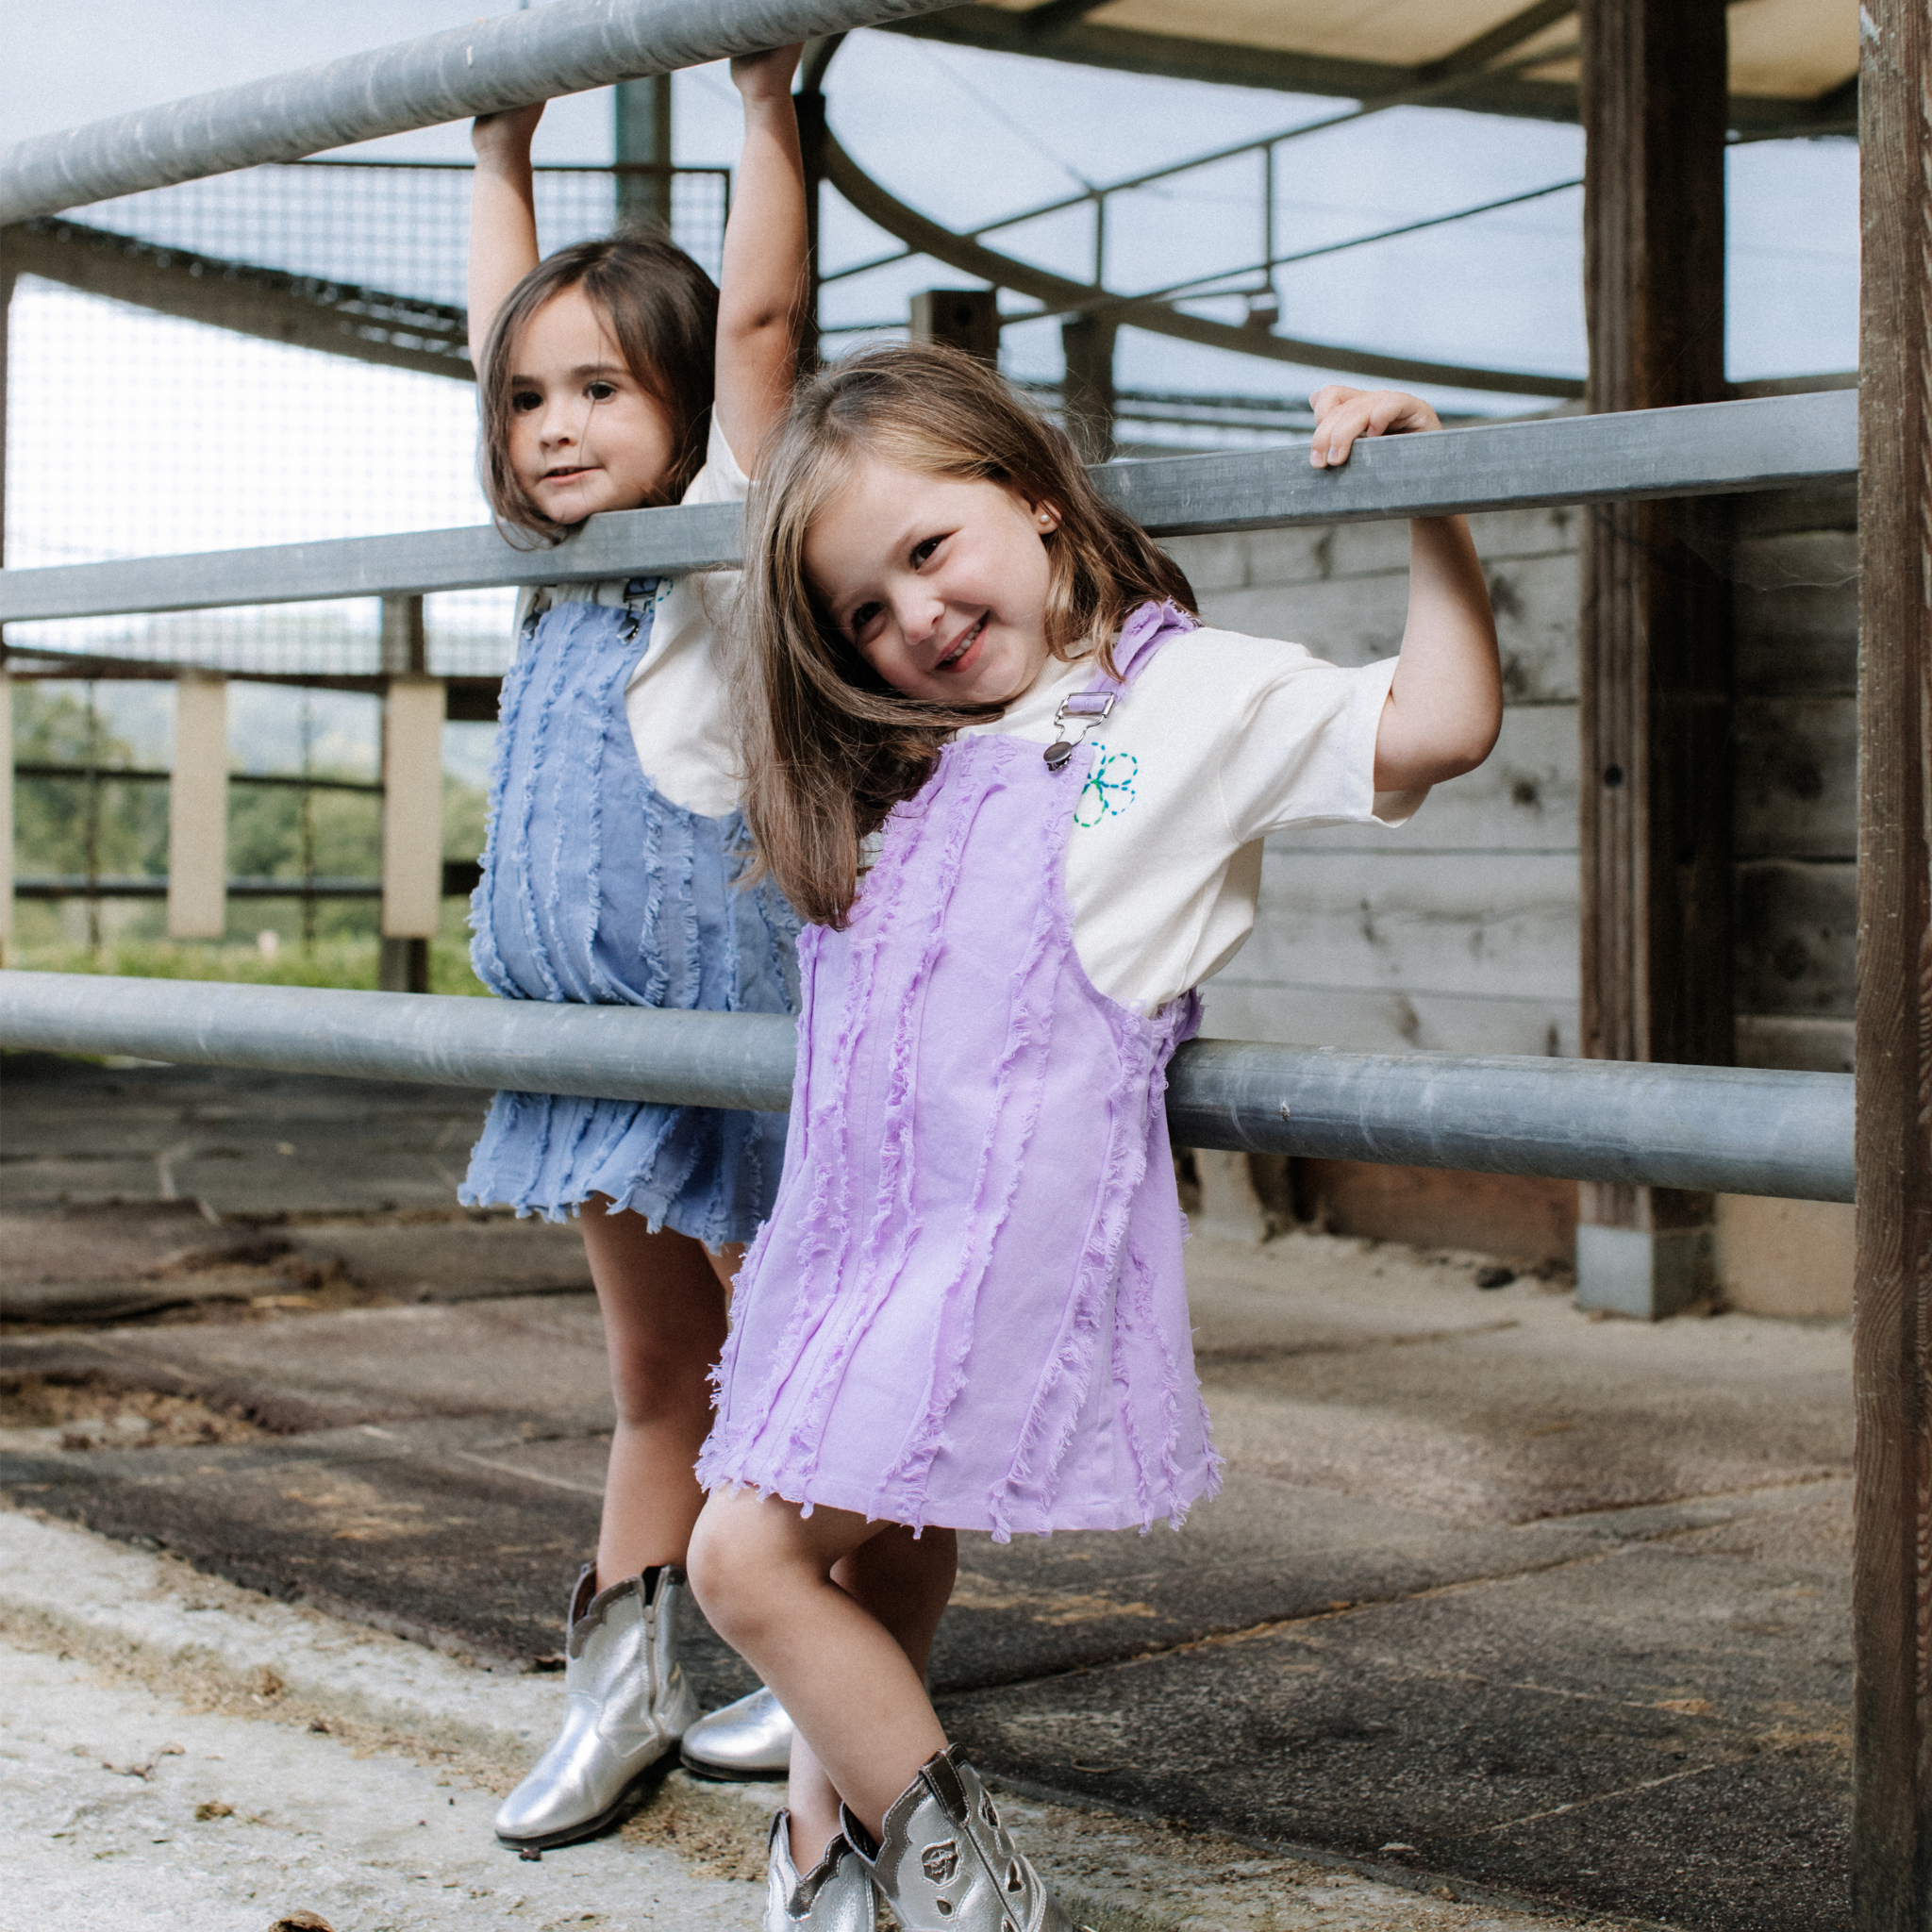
x=1544, y=1612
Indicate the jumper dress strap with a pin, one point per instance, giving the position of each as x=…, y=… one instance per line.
x=1142, y=630
x=638, y=593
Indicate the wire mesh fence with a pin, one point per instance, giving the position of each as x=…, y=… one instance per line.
x=273, y=355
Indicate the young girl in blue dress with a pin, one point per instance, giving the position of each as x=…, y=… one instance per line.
x=612, y=870
x=1019, y=791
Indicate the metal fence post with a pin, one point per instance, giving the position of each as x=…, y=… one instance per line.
x=198, y=808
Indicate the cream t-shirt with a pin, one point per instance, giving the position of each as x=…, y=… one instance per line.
x=1217, y=740
x=677, y=699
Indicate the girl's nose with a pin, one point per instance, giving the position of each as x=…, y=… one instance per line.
x=919, y=613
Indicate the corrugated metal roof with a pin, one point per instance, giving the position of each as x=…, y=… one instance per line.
x=1794, y=62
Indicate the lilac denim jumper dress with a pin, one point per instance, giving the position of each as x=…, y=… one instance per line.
x=967, y=1308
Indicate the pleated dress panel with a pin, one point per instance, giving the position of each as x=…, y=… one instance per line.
x=598, y=890
x=968, y=1307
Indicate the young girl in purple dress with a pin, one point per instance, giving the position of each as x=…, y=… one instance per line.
x=1018, y=791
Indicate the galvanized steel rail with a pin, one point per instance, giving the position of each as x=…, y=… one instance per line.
x=1729, y=1129
x=1712, y=449
x=507, y=60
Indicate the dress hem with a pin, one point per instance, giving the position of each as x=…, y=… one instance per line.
x=711, y=1479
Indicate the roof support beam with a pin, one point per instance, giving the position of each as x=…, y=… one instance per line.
x=1128, y=50
x=303, y=311
x=924, y=235
x=1503, y=38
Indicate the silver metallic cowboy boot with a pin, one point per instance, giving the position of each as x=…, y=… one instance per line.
x=945, y=1863
x=749, y=1739
x=628, y=1705
x=833, y=1896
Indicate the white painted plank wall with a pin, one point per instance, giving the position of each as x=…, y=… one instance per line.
x=1459, y=932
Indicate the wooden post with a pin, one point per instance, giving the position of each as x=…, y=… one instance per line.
x=1892, y=1851
x=412, y=714
x=198, y=808
x=5, y=682
x=1655, y=631
x=643, y=135
x=967, y=318
x=1086, y=399
x=6, y=812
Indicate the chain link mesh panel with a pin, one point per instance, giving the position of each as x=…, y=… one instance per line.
x=271, y=356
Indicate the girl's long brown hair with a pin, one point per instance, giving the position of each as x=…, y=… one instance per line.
x=829, y=746
x=663, y=309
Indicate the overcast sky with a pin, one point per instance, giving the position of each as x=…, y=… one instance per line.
x=969, y=137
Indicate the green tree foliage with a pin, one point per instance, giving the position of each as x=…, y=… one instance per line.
x=54, y=817
x=271, y=835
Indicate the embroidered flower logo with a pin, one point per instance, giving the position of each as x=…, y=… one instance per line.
x=938, y=1862
x=1109, y=787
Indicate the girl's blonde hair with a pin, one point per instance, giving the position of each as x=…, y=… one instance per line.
x=829, y=746
x=661, y=308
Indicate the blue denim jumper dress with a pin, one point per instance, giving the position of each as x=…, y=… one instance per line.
x=597, y=888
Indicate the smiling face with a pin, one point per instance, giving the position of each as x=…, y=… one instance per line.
x=940, y=582
x=585, y=435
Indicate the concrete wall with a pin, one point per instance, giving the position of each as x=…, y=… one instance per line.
x=1459, y=933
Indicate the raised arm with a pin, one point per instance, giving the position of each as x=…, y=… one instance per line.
x=761, y=302
x=502, y=216
x=1445, y=704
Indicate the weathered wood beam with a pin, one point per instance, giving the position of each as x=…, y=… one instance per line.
x=1131, y=50
x=304, y=312
x=1653, y=640
x=1891, y=1849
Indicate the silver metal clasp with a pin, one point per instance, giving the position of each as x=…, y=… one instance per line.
x=1090, y=708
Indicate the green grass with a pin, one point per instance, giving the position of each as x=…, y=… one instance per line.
x=342, y=962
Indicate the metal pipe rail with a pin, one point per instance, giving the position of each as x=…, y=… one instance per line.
x=1710, y=449
x=1730, y=1130
x=507, y=60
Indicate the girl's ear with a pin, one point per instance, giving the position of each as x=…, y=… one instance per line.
x=1046, y=518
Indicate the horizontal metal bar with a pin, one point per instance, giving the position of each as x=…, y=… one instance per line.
x=1726, y=1129
x=1711, y=449
x=460, y=877
x=619, y=1053
x=77, y=885
x=505, y=61
x=699, y=537
x=146, y=776
x=1731, y=1130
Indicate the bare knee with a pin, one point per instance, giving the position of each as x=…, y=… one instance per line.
x=655, y=1377
x=730, y=1575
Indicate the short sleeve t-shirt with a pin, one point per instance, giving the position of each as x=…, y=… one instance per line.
x=1217, y=740
x=677, y=699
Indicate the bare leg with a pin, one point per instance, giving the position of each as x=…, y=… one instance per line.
x=904, y=1582
x=662, y=1300
x=846, y=1657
